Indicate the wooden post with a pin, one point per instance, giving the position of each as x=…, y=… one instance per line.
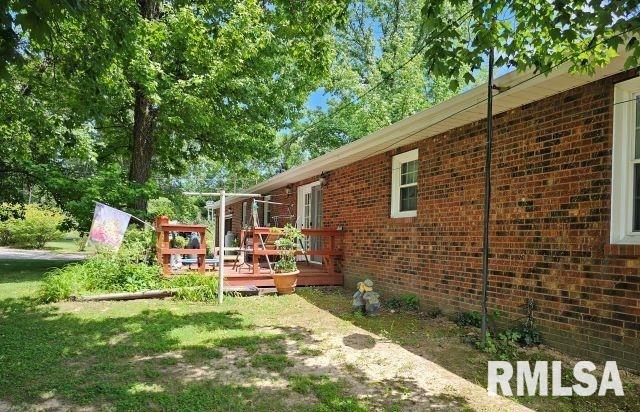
x=331, y=258
x=256, y=258
x=203, y=258
x=162, y=242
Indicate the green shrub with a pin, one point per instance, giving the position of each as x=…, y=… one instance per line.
x=411, y=302
x=161, y=207
x=33, y=229
x=504, y=346
x=194, y=287
x=472, y=318
x=124, y=271
x=407, y=302
x=434, y=312
x=139, y=245
x=60, y=284
x=179, y=242
x=81, y=243
x=394, y=302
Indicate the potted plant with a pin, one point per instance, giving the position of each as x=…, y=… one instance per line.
x=286, y=271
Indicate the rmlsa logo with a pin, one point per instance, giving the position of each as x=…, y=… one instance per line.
x=537, y=381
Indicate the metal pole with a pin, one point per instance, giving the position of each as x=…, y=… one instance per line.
x=487, y=199
x=221, y=252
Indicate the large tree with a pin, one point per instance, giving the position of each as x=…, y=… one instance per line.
x=378, y=77
x=153, y=85
x=526, y=34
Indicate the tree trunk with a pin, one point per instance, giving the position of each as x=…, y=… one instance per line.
x=143, y=143
x=144, y=117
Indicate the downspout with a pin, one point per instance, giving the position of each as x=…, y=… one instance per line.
x=487, y=198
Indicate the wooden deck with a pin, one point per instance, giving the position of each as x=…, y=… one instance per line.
x=311, y=274
x=256, y=271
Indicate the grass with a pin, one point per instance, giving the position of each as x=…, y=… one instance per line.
x=62, y=246
x=443, y=342
x=262, y=354
x=138, y=355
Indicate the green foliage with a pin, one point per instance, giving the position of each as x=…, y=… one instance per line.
x=529, y=334
x=287, y=243
x=331, y=394
x=472, y=318
x=161, y=207
x=194, y=287
x=434, y=312
x=407, y=302
x=179, y=242
x=530, y=34
x=411, y=302
x=81, y=242
x=380, y=37
x=36, y=226
x=504, y=346
x=133, y=268
x=394, y=303
x=131, y=95
x=138, y=245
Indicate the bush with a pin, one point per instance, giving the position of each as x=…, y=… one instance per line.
x=81, y=243
x=195, y=287
x=468, y=319
x=161, y=207
x=33, y=229
x=411, y=302
x=125, y=271
x=407, y=302
x=394, y=302
x=434, y=312
x=504, y=346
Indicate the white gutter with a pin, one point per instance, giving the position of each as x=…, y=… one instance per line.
x=421, y=121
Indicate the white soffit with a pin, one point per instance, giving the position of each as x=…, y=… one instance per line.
x=462, y=109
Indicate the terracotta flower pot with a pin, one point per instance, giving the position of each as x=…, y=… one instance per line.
x=286, y=282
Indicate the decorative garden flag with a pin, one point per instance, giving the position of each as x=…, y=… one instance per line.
x=108, y=225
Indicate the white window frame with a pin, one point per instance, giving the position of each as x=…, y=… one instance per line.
x=396, y=171
x=265, y=211
x=623, y=163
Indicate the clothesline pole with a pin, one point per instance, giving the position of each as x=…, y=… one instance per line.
x=223, y=194
x=221, y=253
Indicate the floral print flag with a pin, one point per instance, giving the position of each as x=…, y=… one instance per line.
x=108, y=225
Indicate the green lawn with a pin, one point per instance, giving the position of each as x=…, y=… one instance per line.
x=158, y=355
x=302, y=352
x=62, y=246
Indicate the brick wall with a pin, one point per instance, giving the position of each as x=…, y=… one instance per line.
x=549, y=224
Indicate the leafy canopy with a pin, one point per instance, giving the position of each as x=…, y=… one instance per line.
x=378, y=77
x=528, y=34
x=96, y=83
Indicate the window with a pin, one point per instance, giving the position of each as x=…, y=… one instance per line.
x=228, y=223
x=266, y=213
x=625, y=182
x=404, y=184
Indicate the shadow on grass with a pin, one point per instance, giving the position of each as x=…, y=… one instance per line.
x=161, y=360
x=442, y=342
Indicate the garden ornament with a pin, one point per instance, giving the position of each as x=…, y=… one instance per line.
x=365, y=299
x=357, y=304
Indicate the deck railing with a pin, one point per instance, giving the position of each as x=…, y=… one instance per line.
x=320, y=247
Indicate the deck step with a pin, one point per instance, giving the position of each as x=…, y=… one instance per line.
x=267, y=281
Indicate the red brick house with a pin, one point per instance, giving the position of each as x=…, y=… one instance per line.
x=565, y=217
